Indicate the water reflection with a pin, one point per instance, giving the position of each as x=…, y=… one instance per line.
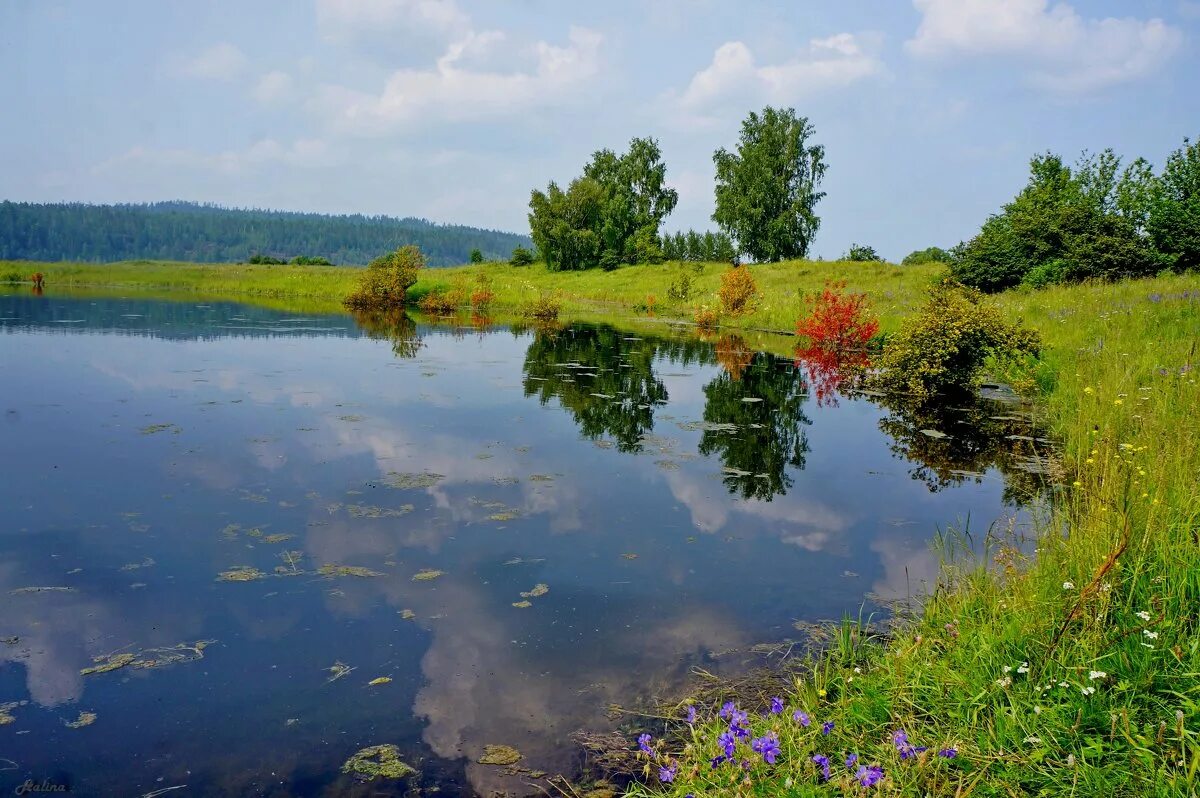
x=155, y=445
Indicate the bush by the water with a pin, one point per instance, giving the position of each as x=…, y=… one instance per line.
x=945, y=345
x=738, y=290
x=438, y=303
x=544, y=308
x=386, y=281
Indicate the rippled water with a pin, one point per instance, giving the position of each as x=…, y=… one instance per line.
x=678, y=500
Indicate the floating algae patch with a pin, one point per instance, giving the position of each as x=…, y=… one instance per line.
x=630, y=556
x=22, y=591
x=379, y=681
x=427, y=575
x=153, y=429
x=507, y=515
x=277, y=538
x=370, y=511
x=540, y=589
x=331, y=571
x=407, y=615
x=337, y=670
x=378, y=762
x=412, y=481
x=230, y=532
x=85, y=719
x=522, y=604
x=171, y=655
x=109, y=662
x=499, y=755
x=291, y=558
x=240, y=573
x=353, y=419
x=540, y=478
x=523, y=561
x=6, y=716
x=506, y=480
x=133, y=566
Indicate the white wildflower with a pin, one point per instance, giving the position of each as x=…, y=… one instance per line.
x=1024, y=668
x=1068, y=585
x=1094, y=675
x=1089, y=690
x=1005, y=682
x=1149, y=634
x=1008, y=668
x=1145, y=616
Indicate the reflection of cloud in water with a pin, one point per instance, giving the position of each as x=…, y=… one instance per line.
x=484, y=686
x=798, y=521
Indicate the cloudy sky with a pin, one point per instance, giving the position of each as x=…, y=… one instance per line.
x=453, y=109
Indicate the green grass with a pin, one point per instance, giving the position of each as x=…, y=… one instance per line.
x=1113, y=587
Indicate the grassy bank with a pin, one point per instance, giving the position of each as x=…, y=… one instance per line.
x=1074, y=671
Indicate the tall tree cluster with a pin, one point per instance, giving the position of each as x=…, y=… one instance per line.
x=1096, y=219
x=692, y=246
x=609, y=215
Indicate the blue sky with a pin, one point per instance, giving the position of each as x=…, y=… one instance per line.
x=453, y=110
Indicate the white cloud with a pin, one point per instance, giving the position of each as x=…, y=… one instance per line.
x=220, y=62
x=273, y=87
x=453, y=90
x=733, y=75
x=1065, y=51
x=347, y=19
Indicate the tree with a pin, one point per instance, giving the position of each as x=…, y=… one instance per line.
x=1067, y=224
x=609, y=216
x=521, y=257
x=862, y=253
x=767, y=191
x=476, y=256
x=1173, y=217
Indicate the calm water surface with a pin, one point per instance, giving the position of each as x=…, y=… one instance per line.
x=681, y=500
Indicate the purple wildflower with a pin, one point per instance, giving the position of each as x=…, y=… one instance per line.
x=776, y=705
x=907, y=750
x=801, y=717
x=691, y=715
x=851, y=760
x=727, y=710
x=717, y=761
x=644, y=743
x=746, y=764
x=869, y=776
x=768, y=746
x=667, y=772
x=948, y=753
x=827, y=727
x=823, y=761
x=728, y=742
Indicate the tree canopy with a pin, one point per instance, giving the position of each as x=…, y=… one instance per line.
x=610, y=215
x=767, y=190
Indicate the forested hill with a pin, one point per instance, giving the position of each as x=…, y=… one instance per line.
x=208, y=233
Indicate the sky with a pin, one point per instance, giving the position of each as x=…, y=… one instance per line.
x=453, y=110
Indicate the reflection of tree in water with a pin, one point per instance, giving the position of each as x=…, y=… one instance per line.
x=391, y=325
x=955, y=441
x=768, y=436
x=734, y=354
x=604, y=377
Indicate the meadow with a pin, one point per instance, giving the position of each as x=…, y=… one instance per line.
x=1067, y=667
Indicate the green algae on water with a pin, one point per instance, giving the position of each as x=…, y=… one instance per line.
x=427, y=574
x=240, y=573
x=412, y=481
x=85, y=719
x=540, y=589
x=407, y=615
x=331, y=571
x=499, y=755
x=109, y=662
x=156, y=428
x=337, y=670
x=378, y=762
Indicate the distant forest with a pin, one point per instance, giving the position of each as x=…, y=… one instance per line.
x=189, y=231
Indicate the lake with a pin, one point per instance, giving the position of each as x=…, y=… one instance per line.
x=241, y=522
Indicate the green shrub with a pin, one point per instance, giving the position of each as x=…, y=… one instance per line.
x=310, y=260
x=680, y=289
x=476, y=256
x=944, y=347
x=521, y=257
x=1048, y=273
x=386, y=281
x=862, y=253
x=544, y=308
x=928, y=255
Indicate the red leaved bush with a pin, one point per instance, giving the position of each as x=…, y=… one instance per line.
x=838, y=330
x=838, y=322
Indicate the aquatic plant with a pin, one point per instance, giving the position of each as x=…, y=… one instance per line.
x=378, y=762
x=438, y=303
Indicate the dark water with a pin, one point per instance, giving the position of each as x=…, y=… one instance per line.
x=681, y=499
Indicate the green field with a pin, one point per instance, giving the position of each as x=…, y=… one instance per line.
x=1072, y=671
